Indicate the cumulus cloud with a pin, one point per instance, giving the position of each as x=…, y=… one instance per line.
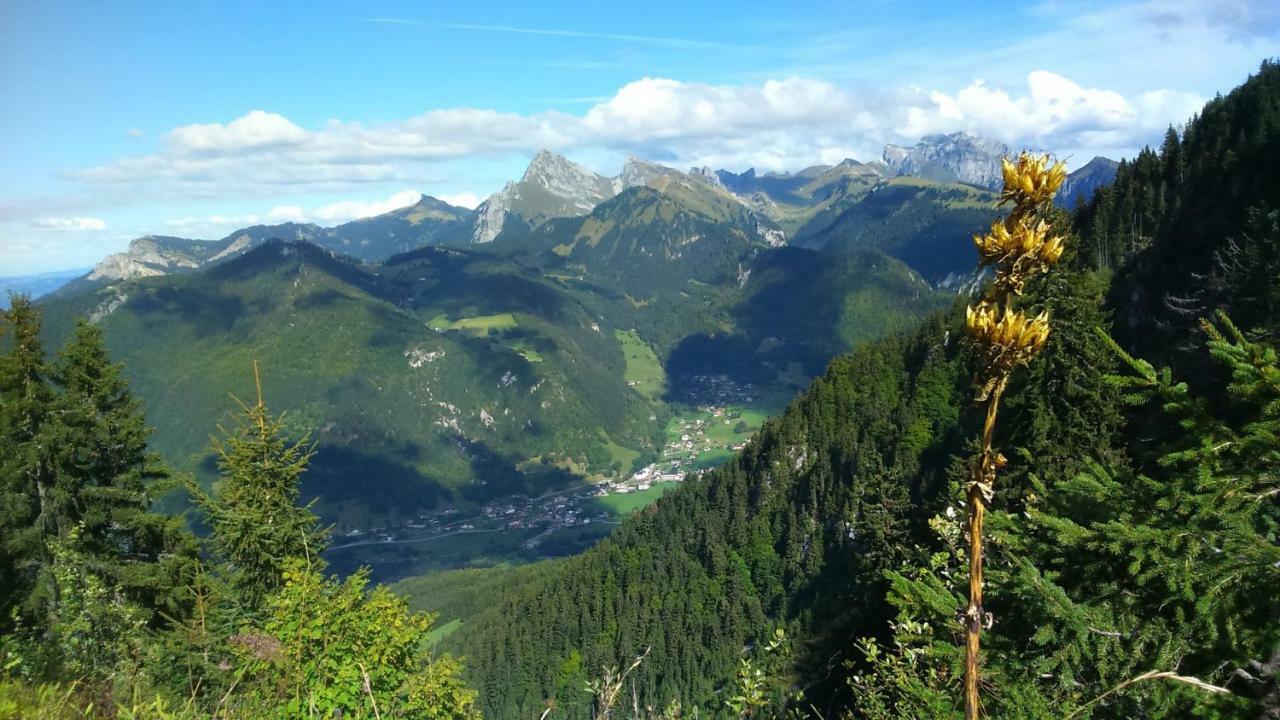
x=286, y=213
x=254, y=131
x=355, y=209
x=1054, y=114
x=71, y=224
x=777, y=124
x=463, y=199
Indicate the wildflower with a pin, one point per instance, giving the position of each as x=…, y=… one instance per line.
x=1019, y=249
x=1031, y=180
x=1006, y=339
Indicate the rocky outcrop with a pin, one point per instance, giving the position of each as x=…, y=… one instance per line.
x=958, y=157
x=147, y=257
x=552, y=186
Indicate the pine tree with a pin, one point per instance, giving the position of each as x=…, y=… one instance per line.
x=256, y=522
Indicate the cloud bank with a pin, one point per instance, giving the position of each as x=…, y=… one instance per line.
x=777, y=124
x=70, y=224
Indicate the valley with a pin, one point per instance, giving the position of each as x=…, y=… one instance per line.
x=519, y=529
x=640, y=361
x=559, y=346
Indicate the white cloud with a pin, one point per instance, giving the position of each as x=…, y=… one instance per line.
x=255, y=130
x=1055, y=114
x=211, y=226
x=71, y=224
x=286, y=213
x=776, y=124
x=346, y=210
x=463, y=199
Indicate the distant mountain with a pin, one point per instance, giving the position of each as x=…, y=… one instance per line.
x=438, y=374
x=447, y=373
x=958, y=157
x=781, y=207
x=38, y=284
x=923, y=223
x=552, y=186
x=793, y=199
x=1079, y=187
x=428, y=222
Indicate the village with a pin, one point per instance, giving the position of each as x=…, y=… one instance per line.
x=697, y=440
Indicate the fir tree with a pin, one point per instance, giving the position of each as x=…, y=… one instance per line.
x=253, y=511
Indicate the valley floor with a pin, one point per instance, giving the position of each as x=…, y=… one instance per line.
x=563, y=522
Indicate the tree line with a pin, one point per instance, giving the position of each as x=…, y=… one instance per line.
x=109, y=608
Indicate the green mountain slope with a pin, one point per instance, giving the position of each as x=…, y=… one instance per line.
x=834, y=519
x=922, y=223
x=707, y=290
x=427, y=222
x=407, y=401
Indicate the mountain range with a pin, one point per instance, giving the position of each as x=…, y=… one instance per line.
x=785, y=206
x=1121, y=536
x=446, y=355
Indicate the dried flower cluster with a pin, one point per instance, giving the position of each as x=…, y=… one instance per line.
x=1019, y=247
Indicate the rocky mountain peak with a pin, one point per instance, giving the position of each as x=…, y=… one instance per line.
x=708, y=174
x=958, y=157
x=561, y=176
x=1080, y=185
x=637, y=172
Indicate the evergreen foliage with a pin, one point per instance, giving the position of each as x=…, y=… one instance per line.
x=253, y=514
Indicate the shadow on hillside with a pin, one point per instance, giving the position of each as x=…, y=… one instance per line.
x=205, y=313
x=497, y=476
x=385, y=483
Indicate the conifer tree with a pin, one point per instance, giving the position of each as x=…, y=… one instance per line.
x=26, y=464
x=105, y=478
x=253, y=511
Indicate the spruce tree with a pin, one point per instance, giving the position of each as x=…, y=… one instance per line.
x=256, y=522
x=105, y=478
x=26, y=464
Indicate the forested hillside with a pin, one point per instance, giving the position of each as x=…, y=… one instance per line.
x=449, y=374
x=1135, y=555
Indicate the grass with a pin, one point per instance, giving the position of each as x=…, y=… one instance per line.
x=621, y=504
x=624, y=456
x=527, y=352
x=644, y=372
x=443, y=631
x=478, y=325
x=721, y=429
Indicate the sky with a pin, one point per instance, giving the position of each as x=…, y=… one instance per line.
x=196, y=118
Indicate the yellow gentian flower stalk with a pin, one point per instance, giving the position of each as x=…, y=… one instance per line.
x=1018, y=247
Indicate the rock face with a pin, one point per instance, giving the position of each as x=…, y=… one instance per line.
x=374, y=238
x=1080, y=185
x=552, y=186
x=149, y=256
x=958, y=157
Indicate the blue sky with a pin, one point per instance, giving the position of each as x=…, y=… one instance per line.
x=194, y=118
